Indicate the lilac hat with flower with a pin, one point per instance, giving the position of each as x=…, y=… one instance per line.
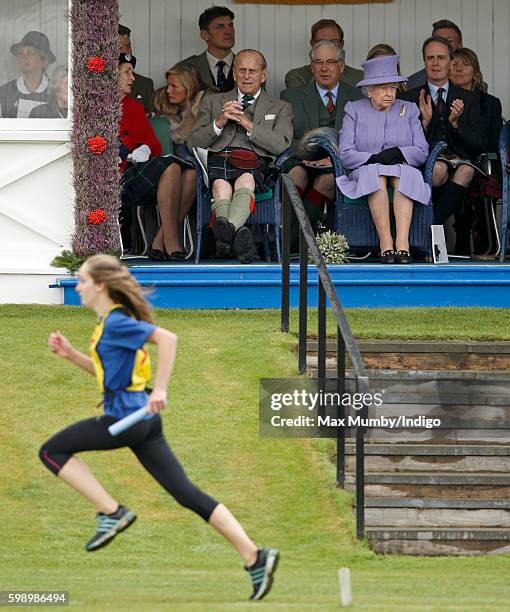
x=381, y=70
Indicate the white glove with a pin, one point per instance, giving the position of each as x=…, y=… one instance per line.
x=140, y=154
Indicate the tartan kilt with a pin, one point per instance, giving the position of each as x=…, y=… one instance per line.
x=220, y=168
x=138, y=180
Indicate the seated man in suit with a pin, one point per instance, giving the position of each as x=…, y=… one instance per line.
x=143, y=87
x=318, y=104
x=443, y=28
x=449, y=114
x=244, y=131
x=325, y=29
x=214, y=66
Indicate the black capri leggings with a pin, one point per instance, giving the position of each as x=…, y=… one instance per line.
x=147, y=442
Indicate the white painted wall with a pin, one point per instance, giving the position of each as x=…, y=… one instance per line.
x=165, y=31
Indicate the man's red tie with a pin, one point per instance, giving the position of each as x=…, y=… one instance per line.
x=330, y=107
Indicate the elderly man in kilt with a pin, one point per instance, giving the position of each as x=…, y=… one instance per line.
x=244, y=131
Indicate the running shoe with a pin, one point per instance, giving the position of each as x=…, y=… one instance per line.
x=261, y=572
x=108, y=526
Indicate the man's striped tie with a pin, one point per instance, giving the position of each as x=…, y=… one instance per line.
x=330, y=107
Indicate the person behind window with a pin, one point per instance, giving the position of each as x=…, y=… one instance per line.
x=20, y=96
x=57, y=92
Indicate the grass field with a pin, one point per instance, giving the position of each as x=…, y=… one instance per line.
x=282, y=490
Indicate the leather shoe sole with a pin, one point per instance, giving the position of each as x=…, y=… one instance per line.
x=224, y=233
x=244, y=248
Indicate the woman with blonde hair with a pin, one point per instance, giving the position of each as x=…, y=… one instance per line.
x=178, y=103
x=121, y=365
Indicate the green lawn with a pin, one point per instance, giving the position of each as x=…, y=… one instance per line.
x=282, y=490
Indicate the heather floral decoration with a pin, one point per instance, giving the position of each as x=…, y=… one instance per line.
x=97, y=216
x=96, y=64
x=96, y=117
x=97, y=145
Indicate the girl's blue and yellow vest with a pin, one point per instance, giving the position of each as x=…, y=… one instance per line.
x=141, y=373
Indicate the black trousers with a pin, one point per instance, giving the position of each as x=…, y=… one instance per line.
x=147, y=442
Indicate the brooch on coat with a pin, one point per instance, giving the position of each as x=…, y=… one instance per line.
x=402, y=110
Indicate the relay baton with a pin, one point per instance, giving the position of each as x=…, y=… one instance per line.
x=129, y=421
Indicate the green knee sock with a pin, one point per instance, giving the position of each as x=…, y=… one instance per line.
x=240, y=206
x=221, y=208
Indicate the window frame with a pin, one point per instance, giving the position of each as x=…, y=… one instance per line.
x=26, y=129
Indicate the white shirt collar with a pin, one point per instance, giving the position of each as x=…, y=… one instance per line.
x=434, y=89
x=22, y=88
x=323, y=92
x=212, y=61
x=240, y=96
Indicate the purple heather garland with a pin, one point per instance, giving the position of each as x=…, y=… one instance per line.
x=96, y=112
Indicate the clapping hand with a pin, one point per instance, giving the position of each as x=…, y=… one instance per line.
x=425, y=106
x=456, y=110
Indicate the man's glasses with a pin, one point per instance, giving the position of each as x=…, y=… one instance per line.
x=330, y=63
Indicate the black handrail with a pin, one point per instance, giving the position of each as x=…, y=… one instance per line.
x=345, y=339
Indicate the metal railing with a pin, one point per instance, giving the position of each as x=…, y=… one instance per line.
x=345, y=339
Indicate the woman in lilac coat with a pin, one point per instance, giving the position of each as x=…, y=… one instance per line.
x=382, y=144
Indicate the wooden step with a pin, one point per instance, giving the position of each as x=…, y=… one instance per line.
x=434, y=542
x=440, y=436
x=411, y=354
x=434, y=485
x=424, y=502
x=436, y=479
x=461, y=492
x=488, y=518
x=437, y=463
x=428, y=449
x=421, y=346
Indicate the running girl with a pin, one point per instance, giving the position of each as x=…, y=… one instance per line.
x=122, y=368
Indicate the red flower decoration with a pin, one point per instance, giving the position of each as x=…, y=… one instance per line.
x=97, y=216
x=97, y=145
x=96, y=64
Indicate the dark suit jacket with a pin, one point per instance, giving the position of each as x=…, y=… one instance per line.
x=304, y=106
x=143, y=91
x=272, y=125
x=469, y=140
x=492, y=120
x=201, y=65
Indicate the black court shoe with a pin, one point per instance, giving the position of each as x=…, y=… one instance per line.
x=388, y=257
x=403, y=257
x=108, y=526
